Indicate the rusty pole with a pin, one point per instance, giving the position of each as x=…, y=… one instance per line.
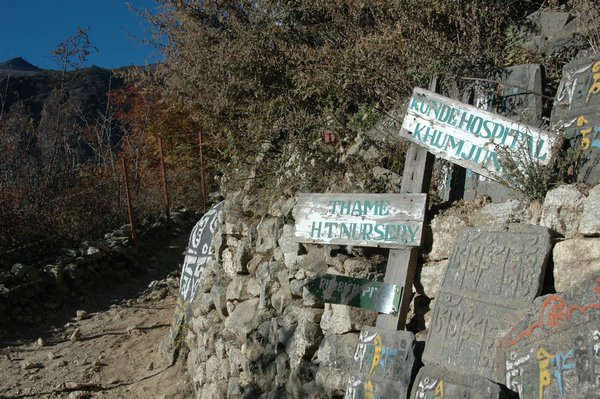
x=163, y=174
x=129, y=207
x=202, y=177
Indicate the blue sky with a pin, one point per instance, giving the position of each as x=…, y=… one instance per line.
x=33, y=28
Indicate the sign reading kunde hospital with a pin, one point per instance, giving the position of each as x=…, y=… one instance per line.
x=470, y=137
x=374, y=220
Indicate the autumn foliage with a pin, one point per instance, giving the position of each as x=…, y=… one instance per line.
x=62, y=178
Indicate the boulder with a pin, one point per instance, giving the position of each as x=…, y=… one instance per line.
x=431, y=380
x=335, y=357
x=493, y=274
x=562, y=210
x=357, y=267
x=590, y=218
x=444, y=230
x=313, y=263
x=552, y=351
x=238, y=288
x=244, y=318
x=341, y=319
x=283, y=296
x=511, y=211
x=268, y=232
x=429, y=278
x=303, y=342
x=289, y=247
x=573, y=259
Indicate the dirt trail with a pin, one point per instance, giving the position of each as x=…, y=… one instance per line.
x=108, y=350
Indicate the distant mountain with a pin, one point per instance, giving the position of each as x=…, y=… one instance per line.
x=87, y=88
x=18, y=64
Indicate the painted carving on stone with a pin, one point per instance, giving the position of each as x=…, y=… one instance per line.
x=576, y=111
x=492, y=275
x=198, y=253
x=383, y=364
x=434, y=382
x=554, y=351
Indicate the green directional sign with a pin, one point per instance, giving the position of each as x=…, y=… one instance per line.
x=358, y=292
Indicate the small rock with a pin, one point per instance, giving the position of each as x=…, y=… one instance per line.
x=76, y=336
x=20, y=270
x=40, y=342
x=82, y=314
x=150, y=366
x=29, y=365
x=80, y=386
x=51, y=355
x=61, y=363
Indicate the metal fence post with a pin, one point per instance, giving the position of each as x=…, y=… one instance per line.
x=202, y=175
x=129, y=207
x=163, y=174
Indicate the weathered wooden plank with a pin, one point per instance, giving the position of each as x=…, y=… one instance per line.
x=418, y=166
x=416, y=178
x=400, y=270
x=375, y=220
x=470, y=137
x=403, y=262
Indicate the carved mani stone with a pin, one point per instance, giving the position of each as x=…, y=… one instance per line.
x=434, y=382
x=576, y=111
x=554, y=351
x=493, y=275
x=383, y=364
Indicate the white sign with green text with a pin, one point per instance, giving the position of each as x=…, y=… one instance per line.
x=370, y=220
x=470, y=137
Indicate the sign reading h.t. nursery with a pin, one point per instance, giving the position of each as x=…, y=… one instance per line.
x=371, y=220
x=470, y=137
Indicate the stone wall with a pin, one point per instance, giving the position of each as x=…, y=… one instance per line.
x=35, y=293
x=258, y=333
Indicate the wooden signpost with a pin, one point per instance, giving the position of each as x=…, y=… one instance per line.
x=357, y=292
x=375, y=220
x=470, y=137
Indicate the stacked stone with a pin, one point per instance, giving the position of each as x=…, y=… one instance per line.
x=571, y=212
x=31, y=294
x=256, y=330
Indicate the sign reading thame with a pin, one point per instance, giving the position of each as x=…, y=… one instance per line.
x=370, y=220
x=470, y=137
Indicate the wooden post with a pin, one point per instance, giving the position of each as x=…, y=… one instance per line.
x=163, y=174
x=402, y=263
x=129, y=207
x=202, y=176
